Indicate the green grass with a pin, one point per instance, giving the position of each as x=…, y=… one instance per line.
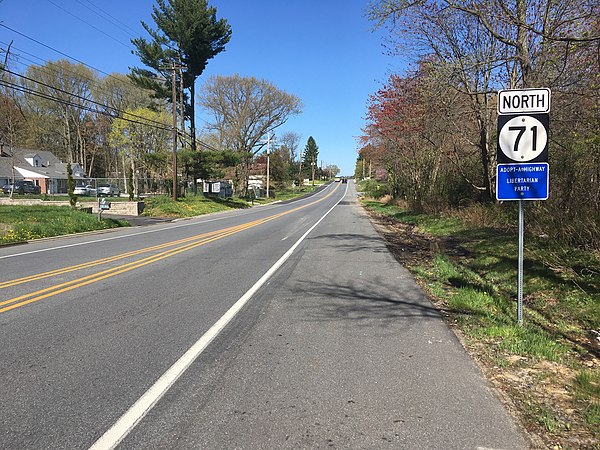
x=190, y=206
x=483, y=298
x=528, y=341
x=22, y=223
x=373, y=188
x=587, y=389
x=436, y=226
x=290, y=193
x=486, y=314
x=285, y=194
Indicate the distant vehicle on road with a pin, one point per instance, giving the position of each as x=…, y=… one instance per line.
x=108, y=190
x=337, y=179
x=84, y=191
x=22, y=187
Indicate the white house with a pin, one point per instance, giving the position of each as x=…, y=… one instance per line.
x=42, y=167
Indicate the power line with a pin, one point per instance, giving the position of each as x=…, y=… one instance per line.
x=49, y=66
x=55, y=50
x=55, y=71
x=112, y=19
x=45, y=96
x=90, y=25
x=203, y=144
x=60, y=53
x=122, y=113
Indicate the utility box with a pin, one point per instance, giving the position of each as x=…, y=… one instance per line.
x=218, y=188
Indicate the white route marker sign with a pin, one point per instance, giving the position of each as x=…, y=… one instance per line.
x=523, y=138
x=524, y=101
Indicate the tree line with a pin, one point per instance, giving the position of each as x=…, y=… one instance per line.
x=112, y=124
x=431, y=131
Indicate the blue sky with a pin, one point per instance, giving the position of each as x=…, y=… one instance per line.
x=323, y=51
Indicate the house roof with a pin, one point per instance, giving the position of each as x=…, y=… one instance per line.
x=5, y=171
x=48, y=158
x=51, y=166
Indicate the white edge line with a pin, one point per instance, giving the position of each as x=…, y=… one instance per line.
x=127, y=422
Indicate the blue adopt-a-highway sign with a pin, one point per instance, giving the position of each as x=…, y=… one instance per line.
x=522, y=181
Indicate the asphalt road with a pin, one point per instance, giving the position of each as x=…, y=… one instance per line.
x=275, y=327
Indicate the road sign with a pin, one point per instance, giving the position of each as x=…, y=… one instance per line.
x=523, y=138
x=523, y=124
x=522, y=181
x=103, y=204
x=524, y=101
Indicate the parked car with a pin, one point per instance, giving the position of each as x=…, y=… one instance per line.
x=109, y=190
x=22, y=187
x=84, y=191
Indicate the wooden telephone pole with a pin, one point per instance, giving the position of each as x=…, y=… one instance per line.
x=174, y=68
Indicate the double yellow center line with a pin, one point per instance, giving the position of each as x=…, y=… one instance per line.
x=179, y=246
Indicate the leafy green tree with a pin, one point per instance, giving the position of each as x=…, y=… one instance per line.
x=143, y=141
x=188, y=33
x=130, y=186
x=280, y=167
x=311, y=156
x=211, y=164
x=359, y=168
x=71, y=186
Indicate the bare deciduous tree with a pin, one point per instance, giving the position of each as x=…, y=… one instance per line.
x=244, y=109
x=291, y=141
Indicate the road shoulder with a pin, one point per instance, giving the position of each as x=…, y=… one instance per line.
x=342, y=349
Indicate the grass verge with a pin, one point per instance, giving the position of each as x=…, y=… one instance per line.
x=190, y=206
x=23, y=223
x=19, y=223
x=550, y=367
x=290, y=193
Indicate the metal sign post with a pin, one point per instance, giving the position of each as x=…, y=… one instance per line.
x=103, y=205
x=522, y=154
x=520, y=264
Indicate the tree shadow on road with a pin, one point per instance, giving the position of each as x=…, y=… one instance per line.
x=374, y=302
x=347, y=242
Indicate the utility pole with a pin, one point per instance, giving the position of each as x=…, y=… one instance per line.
x=182, y=106
x=268, y=162
x=174, y=92
x=174, y=68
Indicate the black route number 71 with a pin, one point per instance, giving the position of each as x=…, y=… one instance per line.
x=521, y=131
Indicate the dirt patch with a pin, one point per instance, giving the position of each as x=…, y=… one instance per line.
x=539, y=395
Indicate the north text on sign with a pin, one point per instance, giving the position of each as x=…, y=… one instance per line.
x=524, y=101
x=514, y=101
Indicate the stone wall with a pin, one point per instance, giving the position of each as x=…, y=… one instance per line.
x=123, y=208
